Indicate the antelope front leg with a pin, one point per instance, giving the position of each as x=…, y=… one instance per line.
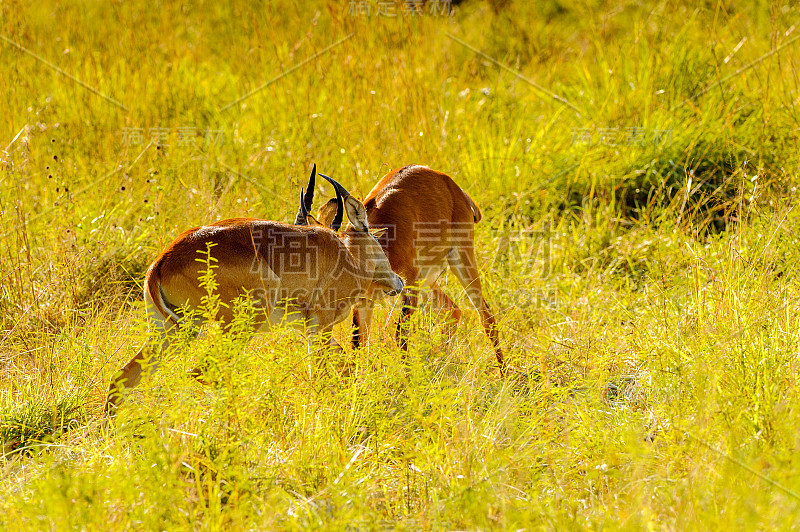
x=321, y=344
x=362, y=320
x=321, y=338
x=410, y=304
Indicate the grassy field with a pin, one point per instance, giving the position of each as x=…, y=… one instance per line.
x=636, y=166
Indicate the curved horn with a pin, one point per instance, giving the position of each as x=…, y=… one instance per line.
x=306, y=200
x=340, y=194
x=337, y=186
x=337, y=220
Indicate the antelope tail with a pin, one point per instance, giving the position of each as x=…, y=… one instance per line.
x=155, y=295
x=476, y=212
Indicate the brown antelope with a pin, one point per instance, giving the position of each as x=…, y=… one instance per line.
x=308, y=275
x=429, y=222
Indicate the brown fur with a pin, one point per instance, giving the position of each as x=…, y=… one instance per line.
x=243, y=247
x=430, y=224
x=310, y=273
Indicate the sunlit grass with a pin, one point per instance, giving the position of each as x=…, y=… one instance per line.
x=638, y=247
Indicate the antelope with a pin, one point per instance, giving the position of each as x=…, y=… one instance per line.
x=307, y=275
x=429, y=222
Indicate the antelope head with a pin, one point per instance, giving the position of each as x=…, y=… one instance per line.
x=358, y=238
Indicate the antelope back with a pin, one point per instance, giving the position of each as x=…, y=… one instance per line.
x=425, y=214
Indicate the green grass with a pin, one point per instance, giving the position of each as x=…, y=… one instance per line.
x=638, y=245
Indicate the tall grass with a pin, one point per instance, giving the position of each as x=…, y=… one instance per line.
x=638, y=246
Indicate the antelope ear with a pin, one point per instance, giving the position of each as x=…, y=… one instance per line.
x=356, y=213
x=312, y=222
x=327, y=212
x=379, y=231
